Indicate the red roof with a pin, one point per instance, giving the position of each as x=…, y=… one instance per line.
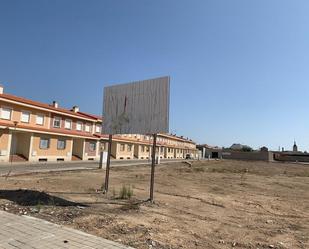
x=50, y=107
x=91, y=115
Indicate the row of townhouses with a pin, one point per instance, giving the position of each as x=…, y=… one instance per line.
x=33, y=131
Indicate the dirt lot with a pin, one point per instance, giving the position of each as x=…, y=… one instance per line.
x=216, y=204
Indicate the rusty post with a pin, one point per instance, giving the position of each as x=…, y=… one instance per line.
x=110, y=139
x=153, y=164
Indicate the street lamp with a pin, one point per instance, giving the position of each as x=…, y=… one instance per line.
x=12, y=147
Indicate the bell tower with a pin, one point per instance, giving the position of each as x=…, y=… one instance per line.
x=295, y=148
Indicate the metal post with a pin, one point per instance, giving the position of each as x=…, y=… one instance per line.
x=110, y=139
x=101, y=154
x=101, y=160
x=153, y=164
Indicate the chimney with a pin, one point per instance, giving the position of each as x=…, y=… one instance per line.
x=1, y=89
x=55, y=104
x=75, y=109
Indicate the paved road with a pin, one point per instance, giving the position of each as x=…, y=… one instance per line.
x=17, y=168
x=25, y=232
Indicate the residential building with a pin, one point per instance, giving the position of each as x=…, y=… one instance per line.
x=33, y=131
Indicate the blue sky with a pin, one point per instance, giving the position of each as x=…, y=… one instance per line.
x=239, y=69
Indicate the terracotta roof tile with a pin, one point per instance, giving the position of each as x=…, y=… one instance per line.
x=47, y=106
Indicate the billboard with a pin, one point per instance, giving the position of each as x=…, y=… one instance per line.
x=140, y=107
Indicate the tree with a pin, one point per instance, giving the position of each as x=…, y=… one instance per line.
x=246, y=148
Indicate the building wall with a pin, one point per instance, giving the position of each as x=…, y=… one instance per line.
x=73, y=124
x=52, y=153
x=291, y=157
x=89, y=153
x=255, y=155
x=16, y=115
x=4, y=145
x=161, y=151
x=142, y=151
x=178, y=153
x=123, y=154
x=88, y=150
x=48, y=119
x=169, y=152
x=210, y=153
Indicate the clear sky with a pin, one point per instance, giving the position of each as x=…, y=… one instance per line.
x=239, y=69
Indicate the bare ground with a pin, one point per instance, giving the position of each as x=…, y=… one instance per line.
x=212, y=204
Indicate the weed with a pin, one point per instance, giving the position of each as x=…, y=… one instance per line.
x=39, y=206
x=126, y=192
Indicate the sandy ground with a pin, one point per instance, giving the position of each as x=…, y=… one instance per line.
x=215, y=204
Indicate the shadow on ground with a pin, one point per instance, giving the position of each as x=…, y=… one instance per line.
x=24, y=197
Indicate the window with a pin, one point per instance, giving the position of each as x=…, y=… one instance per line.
x=92, y=146
x=129, y=147
x=25, y=117
x=68, y=124
x=87, y=128
x=6, y=113
x=98, y=129
x=162, y=149
x=39, y=119
x=44, y=143
x=57, y=122
x=147, y=148
x=79, y=126
x=142, y=148
x=61, y=144
x=122, y=147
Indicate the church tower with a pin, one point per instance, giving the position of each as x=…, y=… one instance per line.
x=295, y=148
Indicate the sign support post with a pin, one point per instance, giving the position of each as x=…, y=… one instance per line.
x=110, y=139
x=153, y=164
x=139, y=107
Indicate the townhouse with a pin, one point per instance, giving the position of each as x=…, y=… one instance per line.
x=129, y=146
x=33, y=131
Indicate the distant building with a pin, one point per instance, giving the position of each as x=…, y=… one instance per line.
x=236, y=147
x=264, y=148
x=295, y=148
x=241, y=147
x=33, y=131
x=208, y=151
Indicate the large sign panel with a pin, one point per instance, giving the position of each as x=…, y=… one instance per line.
x=140, y=107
